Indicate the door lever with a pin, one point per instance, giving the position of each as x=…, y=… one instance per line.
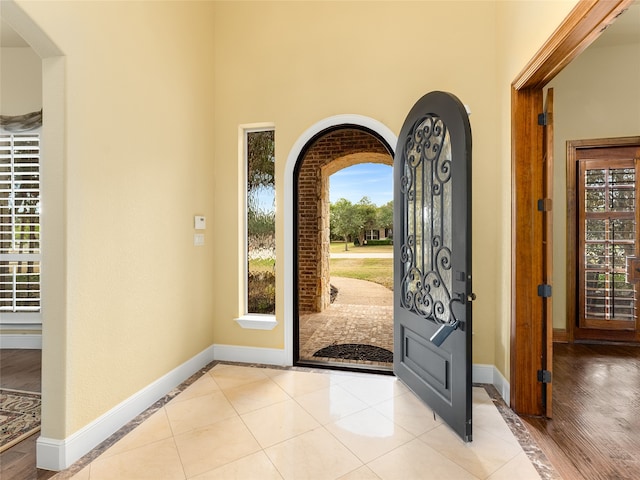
x=443, y=332
x=447, y=329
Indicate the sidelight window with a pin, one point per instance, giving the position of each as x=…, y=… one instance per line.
x=260, y=221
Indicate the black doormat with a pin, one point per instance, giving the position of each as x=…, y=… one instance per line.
x=356, y=351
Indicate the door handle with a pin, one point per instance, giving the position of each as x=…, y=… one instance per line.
x=443, y=332
x=447, y=329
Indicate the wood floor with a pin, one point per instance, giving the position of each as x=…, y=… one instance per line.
x=20, y=370
x=595, y=430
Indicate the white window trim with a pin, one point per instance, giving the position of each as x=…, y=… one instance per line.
x=252, y=321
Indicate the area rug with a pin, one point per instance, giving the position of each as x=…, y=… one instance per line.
x=356, y=351
x=19, y=416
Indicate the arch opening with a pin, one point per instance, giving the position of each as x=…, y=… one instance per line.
x=316, y=321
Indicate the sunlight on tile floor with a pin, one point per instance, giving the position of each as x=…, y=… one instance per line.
x=241, y=422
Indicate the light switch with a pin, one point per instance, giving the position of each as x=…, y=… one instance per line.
x=198, y=239
x=200, y=222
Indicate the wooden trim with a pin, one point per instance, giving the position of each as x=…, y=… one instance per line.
x=571, y=233
x=526, y=252
x=560, y=335
x=579, y=29
x=585, y=23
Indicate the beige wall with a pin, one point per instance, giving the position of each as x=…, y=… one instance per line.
x=138, y=167
x=274, y=65
x=20, y=81
x=523, y=27
x=153, y=97
x=596, y=96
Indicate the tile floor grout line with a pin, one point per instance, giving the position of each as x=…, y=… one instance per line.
x=508, y=417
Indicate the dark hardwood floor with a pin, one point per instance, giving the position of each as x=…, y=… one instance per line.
x=20, y=370
x=595, y=430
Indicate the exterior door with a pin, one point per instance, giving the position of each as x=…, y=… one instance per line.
x=432, y=266
x=606, y=241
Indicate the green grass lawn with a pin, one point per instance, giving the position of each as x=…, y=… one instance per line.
x=338, y=247
x=377, y=270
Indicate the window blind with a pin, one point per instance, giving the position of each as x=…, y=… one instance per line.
x=19, y=222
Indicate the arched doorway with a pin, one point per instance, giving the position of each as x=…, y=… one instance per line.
x=318, y=291
x=338, y=335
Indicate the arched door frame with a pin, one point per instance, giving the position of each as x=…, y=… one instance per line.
x=345, y=120
x=529, y=339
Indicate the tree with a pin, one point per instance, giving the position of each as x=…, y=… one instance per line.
x=385, y=216
x=366, y=217
x=344, y=219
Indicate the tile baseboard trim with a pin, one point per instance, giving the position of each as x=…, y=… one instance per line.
x=54, y=454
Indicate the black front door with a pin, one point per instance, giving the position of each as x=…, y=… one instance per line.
x=432, y=266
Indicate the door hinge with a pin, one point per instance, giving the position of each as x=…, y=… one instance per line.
x=545, y=204
x=542, y=119
x=544, y=376
x=544, y=290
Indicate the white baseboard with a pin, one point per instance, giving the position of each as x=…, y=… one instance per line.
x=21, y=340
x=235, y=353
x=502, y=385
x=55, y=454
x=480, y=373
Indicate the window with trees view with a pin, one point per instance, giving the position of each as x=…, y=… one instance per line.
x=19, y=223
x=261, y=221
x=608, y=213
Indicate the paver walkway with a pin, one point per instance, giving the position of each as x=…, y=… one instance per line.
x=362, y=313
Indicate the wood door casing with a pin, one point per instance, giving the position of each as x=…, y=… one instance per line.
x=580, y=28
x=602, y=153
x=547, y=250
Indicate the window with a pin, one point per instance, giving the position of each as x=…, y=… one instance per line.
x=373, y=234
x=260, y=221
x=20, y=225
x=607, y=235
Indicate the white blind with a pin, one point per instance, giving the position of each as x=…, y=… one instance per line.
x=19, y=222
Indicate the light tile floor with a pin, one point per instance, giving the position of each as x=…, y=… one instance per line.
x=242, y=422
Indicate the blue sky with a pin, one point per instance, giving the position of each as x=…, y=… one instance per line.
x=373, y=180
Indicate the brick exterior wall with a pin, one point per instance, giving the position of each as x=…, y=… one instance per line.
x=328, y=154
